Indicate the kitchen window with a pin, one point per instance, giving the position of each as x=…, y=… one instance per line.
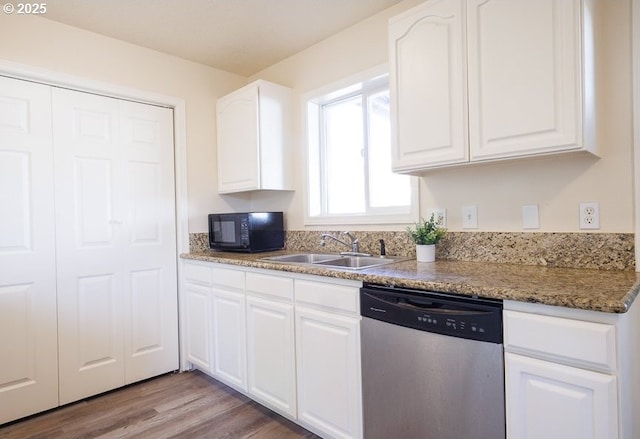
x=349, y=157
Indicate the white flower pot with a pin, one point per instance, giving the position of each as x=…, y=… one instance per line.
x=426, y=253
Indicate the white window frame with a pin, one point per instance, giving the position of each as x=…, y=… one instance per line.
x=311, y=103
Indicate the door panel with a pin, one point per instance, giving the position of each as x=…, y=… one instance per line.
x=89, y=215
x=29, y=372
x=15, y=221
x=99, y=341
x=93, y=195
x=149, y=249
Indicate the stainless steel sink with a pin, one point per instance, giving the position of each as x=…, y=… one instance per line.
x=357, y=262
x=302, y=258
x=332, y=260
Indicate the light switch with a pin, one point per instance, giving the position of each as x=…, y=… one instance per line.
x=470, y=217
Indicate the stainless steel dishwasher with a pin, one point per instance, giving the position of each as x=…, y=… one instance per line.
x=432, y=365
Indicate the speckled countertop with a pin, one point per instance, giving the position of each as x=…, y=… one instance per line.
x=597, y=290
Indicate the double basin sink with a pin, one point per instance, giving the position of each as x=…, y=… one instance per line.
x=333, y=260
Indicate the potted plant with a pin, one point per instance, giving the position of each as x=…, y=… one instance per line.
x=426, y=234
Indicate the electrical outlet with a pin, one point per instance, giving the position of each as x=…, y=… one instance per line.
x=439, y=214
x=470, y=217
x=590, y=215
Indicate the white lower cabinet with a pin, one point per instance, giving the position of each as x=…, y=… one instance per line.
x=198, y=329
x=271, y=367
x=229, y=336
x=549, y=400
x=563, y=374
x=196, y=304
x=328, y=366
x=288, y=341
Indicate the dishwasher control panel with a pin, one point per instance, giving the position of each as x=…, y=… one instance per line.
x=441, y=313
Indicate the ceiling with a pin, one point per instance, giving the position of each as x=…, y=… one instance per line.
x=238, y=36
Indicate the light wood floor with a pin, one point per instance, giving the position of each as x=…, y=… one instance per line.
x=187, y=405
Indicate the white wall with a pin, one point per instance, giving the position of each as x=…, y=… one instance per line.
x=37, y=42
x=557, y=185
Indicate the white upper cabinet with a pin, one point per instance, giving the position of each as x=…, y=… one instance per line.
x=254, y=141
x=490, y=79
x=428, y=86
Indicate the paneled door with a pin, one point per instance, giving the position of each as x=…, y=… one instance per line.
x=28, y=342
x=149, y=258
x=115, y=232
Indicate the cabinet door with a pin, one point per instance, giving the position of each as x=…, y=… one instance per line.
x=328, y=367
x=271, y=354
x=198, y=325
x=524, y=77
x=229, y=338
x=428, y=86
x=238, y=134
x=547, y=400
x=28, y=332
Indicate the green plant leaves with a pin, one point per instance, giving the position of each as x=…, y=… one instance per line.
x=426, y=232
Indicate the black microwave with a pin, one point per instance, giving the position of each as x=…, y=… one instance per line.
x=248, y=232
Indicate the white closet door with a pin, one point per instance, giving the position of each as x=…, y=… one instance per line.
x=115, y=212
x=149, y=253
x=90, y=217
x=28, y=343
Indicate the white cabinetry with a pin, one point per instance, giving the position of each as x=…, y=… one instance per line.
x=428, y=86
x=197, y=315
x=548, y=400
x=562, y=376
x=528, y=68
x=228, y=320
x=289, y=341
x=270, y=342
x=254, y=139
x=328, y=358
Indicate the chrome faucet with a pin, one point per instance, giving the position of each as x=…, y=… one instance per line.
x=354, y=245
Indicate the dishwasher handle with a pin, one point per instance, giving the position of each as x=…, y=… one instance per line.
x=417, y=303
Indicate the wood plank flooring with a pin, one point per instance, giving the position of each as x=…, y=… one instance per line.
x=187, y=405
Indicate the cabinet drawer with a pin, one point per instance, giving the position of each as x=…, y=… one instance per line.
x=586, y=344
x=197, y=273
x=330, y=296
x=228, y=278
x=277, y=286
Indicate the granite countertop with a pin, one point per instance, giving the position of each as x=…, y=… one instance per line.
x=610, y=291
